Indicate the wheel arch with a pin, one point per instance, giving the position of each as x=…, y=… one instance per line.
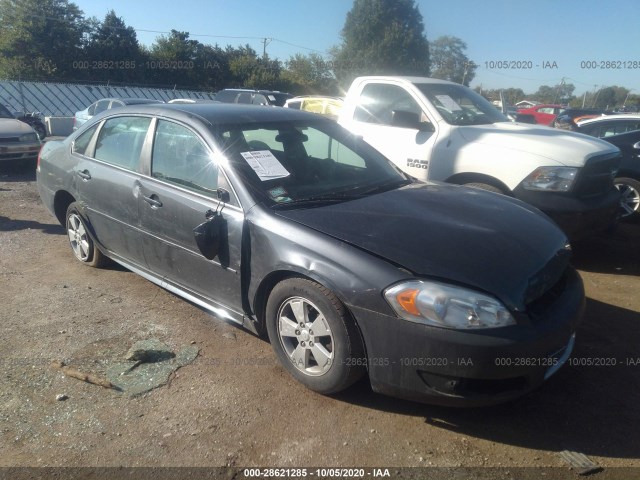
x=473, y=177
x=269, y=282
x=61, y=202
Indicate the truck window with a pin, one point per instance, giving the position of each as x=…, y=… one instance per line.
x=379, y=100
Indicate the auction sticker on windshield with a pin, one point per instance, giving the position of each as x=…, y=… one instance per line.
x=449, y=103
x=266, y=166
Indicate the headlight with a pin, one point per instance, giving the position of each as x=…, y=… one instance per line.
x=447, y=306
x=551, y=179
x=29, y=137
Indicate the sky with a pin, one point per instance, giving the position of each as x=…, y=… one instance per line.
x=515, y=43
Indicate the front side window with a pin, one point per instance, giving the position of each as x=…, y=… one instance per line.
x=378, y=101
x=259, y=99
x=120, y=141
x=181, y=158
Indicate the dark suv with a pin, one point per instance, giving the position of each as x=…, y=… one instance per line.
x=253, y=97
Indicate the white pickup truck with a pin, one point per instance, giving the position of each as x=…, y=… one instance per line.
x=439, y=130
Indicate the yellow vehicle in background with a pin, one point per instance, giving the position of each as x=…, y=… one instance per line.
x=327, y=106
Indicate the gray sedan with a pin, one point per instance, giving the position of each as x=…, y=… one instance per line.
x=290, y=226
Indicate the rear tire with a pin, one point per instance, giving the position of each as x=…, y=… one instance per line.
x=313, y=336
x=81, y=243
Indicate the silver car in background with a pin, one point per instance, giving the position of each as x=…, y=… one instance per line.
x=82, y=116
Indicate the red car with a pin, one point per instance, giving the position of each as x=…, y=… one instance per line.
x=544, y=113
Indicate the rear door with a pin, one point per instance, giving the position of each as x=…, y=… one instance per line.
x=179, y=195
x=107, y=177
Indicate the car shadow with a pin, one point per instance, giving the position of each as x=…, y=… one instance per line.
x=25, y=172
x=614, y=253
x=590, y=405
x=10, y=225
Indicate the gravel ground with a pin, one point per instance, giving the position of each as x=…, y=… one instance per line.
x=234, y=406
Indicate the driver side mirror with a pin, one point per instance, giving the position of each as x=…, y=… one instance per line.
x=208, y=236
x=405, y=119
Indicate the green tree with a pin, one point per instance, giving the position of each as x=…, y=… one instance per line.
x=115, y=45
x=561, y=93
x=308, y=74
x=40, y=39
x=449, y=62
x=175, y=59
x=511, y=95
x=382, y=37
x=249, y=70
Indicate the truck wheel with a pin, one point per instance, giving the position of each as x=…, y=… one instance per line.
x=313, y=336
x=630, y=201
x=484, y=186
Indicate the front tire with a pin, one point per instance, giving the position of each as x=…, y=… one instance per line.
x=81, y=243
x=313, y=336
x=630, y=201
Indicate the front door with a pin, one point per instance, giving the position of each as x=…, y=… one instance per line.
x=180, y=195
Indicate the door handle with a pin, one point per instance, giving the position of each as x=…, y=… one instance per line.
x=153, y=201
x=84, y=174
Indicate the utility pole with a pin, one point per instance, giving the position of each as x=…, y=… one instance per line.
x=265, y=42
x=558, y=90
x=596, y=99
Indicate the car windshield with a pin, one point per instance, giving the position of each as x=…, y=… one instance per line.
x=305, y=163
x=459, y=105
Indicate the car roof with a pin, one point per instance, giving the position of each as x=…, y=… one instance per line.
x=252, y=90
x=408, y=79
x=130, y=100
x=222, y=113
x=615, y=118
x=542, y=105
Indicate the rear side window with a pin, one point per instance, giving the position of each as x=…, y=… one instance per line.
x=120, y=141
x=81, y=143
x=180, y=157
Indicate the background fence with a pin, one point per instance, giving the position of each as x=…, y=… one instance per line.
x=64, y=99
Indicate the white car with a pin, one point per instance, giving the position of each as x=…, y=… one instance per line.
x=103, y=104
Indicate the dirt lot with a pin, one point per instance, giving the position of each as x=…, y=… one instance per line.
x=235, y=407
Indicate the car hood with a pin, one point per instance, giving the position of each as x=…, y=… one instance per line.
x=10, y=127
x=558, y=146
x=462, y=235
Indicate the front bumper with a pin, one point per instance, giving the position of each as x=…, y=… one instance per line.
x=473, y=367
x=577, y=217
x=17, y=152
